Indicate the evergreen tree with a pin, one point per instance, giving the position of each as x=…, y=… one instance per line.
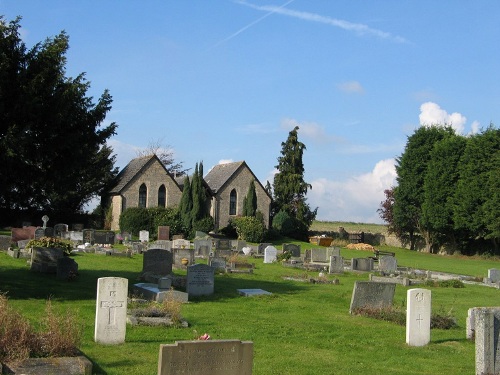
x=198, y=210
x=186, y=205
x=289, y=186
x=250, y=201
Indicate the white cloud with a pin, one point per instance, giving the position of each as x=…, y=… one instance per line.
x=432, y=114
x=356, y=199
x=352, y=87
x=257, y=129
x=475, y=127
x=309, y=130
x=225, y=161
x=124, y=152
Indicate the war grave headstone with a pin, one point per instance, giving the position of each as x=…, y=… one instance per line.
x=5, y=242
x=161, y=244
x=157, y=262
x=336, y=264
x=44, y=259
x=270, y=254
x=202, y=247
x=362, y=264
x=371, y=294
x=104, y=237
x=111, y=310
x=88, y=236
x=60, y=229
x=144, y=236
x=181, y=244
x=49, y=232
x=387, y=264
x=293, y=249
x=200, y=280
x=487, y=341
x=67, y=268
x=418, y=317
x=201, y=357
x=24, y=233
x=217, y=263
x=262, y=247
x=163, y=233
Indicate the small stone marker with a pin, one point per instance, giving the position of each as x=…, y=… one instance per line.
x=336, y=264
x=371, y=294
x=494, y=275
x=487, y=341
x=270, y=253
x=111, y=310
x=214, y=357
x=45, y=219
x=144, y=236
x=200, y=280
x=164, y=233
x=252, y=292
x=418, y=317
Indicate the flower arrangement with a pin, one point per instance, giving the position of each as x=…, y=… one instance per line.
x=51, y=242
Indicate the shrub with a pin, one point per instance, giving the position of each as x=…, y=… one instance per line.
x=15, y=333
x=229, y=230
x=283, y=223
x=204, y=225
x=250, y=229
x=52, y=242
x=445, y=283
x=134, y=219
x=167, y=216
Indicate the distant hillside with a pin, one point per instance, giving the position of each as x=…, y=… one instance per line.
x=333, y=226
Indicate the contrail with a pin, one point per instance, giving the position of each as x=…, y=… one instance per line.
x=252, y=23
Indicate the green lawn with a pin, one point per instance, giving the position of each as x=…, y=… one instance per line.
x=301, y=328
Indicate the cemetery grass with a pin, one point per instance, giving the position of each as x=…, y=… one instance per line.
x=302, y=328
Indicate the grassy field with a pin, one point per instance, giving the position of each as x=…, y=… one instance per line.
x=333, y=226
x=301, y=328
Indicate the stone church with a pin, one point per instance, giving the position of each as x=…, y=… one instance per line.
x=145, y=182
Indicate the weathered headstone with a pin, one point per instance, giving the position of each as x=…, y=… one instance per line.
x=144, y=236
x=76, y=236
x=372, y=295
x=22, y=243
x=333, y=251
x=180, y=254
x=44, y=259
x=39, y=233
x=292, y=248
x=471, y=320
x=104, y=237
x=387, y=264
x=418, y=317
x=202, y=247
x=270, y=254
x=163, y=233
x=157, y=262
x=200, y=280
x=336, y=264
x=161, y=244
x=223, y=244
x=181, y=244
x=362, y=264
x=49, y=232
x=67, y=268
x=200, y=357
x=60, y=229
x=111, y=310
x=238, y=245
x=24, y=233
x=5, y=242
x=262, y=247
x=487, y=341
x=319, y=255
x=217, y=263
x=88, y=236
x=494, y=275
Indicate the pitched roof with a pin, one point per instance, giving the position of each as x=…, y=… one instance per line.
x=221, y=173
x=132, y=169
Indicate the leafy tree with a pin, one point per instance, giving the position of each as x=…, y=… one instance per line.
x=250, y=201
x=289, y=186
x=166, y=155
x=53, y=148
x=411, y=168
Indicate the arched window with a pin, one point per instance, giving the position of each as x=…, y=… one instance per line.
x=162, y=196
x=232, y=202
x=143, y=193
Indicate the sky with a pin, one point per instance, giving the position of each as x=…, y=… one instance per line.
x=226, y=80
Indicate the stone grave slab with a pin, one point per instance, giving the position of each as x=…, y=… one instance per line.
x=270, y=254
x=418, y=317
x=151, y=291
x=200, y=280
x=252, y=292
x=111, y=310
x=372, y=295
x=80, y=365
x=202, y=357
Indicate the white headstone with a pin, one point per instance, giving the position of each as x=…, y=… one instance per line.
x=418, y=317
x=270, y=253
x=144, y=236
x=494, y=275
x=111, y=310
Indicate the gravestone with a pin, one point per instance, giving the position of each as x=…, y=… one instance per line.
x=372, y=295
x=362, y=264
x=44, y=259
x=217, y=263
x=39, y=233
x=67, y=268
x=418, y=317
x=180, y=254
x=49, y=232
x=60, y=229
x=152, y=292
x=144, y=236
x=223, y=244
x=202, y=247
x=487, y=340
x=165, y=282
x=22, y=243
x=76, y=236
x=333, y=251
x=157, y=262
x=181, y=244
x=319, y=255
x=336, y=264
x=387, y=264
x=293, y=249
x=202, y=357
x=307, y=256
x=471, y=320
x=161, y=244
x=24, y=233
x=88, y=236
x=238, y=245
x=111, y=310
x=262, y=247
x=5, y=242
x=270, y=254
x=494, y=275
x=252, y=292
x=104, y=237
x=45, y=220
x=200, y=280
x=163, y=233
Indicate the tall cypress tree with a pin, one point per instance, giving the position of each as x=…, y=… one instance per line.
x=250, y=201
x=186, y=205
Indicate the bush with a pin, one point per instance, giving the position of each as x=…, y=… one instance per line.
x=52, y=242
x=289, y=226
x=135, y=219
x=444, y=283
x=229, y=231
x=165, y=216
x=250, y=229
x=204, y=225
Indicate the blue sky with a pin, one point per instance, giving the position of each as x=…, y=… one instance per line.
x=226, y=80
